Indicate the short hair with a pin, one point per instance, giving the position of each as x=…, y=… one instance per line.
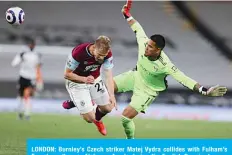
x=159, y=40
x=30, y=41
x=103, y=43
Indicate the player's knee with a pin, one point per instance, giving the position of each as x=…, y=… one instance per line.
x=129, y=112
x=106, y=109
x=28, y=92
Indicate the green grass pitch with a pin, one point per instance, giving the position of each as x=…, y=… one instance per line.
x=13, y=132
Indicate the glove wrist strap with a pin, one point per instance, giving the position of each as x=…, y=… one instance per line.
x=203, y=90
x=129, y=18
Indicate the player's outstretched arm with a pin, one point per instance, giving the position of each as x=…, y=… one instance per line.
x=214, y=91
x=135, y=26
x=126, y=13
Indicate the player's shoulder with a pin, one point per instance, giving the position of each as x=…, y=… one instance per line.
x=164, y=55
x=109, y=55
x=164, y=59
x=23, y=51
x=81, y=47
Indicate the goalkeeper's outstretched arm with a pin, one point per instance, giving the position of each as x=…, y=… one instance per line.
x=135, y=26
x=214, y=91
x=127, y=15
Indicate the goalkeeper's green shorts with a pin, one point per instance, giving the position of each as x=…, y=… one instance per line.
x=142, y=96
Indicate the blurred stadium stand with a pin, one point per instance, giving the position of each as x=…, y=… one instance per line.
x=62, y=25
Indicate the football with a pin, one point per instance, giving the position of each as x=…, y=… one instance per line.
x=15, y=16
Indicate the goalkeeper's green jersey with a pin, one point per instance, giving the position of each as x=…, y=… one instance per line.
x=154, y=73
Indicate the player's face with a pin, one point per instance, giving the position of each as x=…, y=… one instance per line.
x=100, y=55
x=151, y=49
x=32, y=46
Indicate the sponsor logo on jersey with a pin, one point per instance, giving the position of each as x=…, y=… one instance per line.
x=91, y=68
x=156, y=69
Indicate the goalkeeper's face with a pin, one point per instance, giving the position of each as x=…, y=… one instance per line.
x=151, y=49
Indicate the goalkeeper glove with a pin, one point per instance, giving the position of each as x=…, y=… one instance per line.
x=126, y=10
x=214, y=91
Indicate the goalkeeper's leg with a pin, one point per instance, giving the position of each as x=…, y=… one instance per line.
x=123, y=83
x=127, y=121
x=139, y=103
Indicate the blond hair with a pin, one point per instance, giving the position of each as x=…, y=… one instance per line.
x=103, y=43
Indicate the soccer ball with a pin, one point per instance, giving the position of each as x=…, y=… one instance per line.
x=15, y=16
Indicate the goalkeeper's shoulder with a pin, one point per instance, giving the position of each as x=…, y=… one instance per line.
x=164, y=59
x=169, y=67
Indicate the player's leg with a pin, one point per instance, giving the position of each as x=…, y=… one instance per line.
x=28, y=94
x=20, y=108
x=127, y=121
x=27, y=101
x=100, y=97
x=80, y=95
x=122, y=83
x=68, y=104
x=25, y=91
x=20, y=88
x=139, y=103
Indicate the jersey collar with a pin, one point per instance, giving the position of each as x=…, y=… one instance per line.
x=156, y=57
x=87, y=50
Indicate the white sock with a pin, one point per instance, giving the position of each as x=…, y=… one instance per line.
x=20, y=105
x=27, y=105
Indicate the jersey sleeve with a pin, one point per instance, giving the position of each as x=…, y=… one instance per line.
x=17, y=59
x=180, y=76
x=108, y=63
x=140, y=33
x=73, y=60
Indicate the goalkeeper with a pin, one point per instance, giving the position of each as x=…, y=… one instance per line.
x=148, y=79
